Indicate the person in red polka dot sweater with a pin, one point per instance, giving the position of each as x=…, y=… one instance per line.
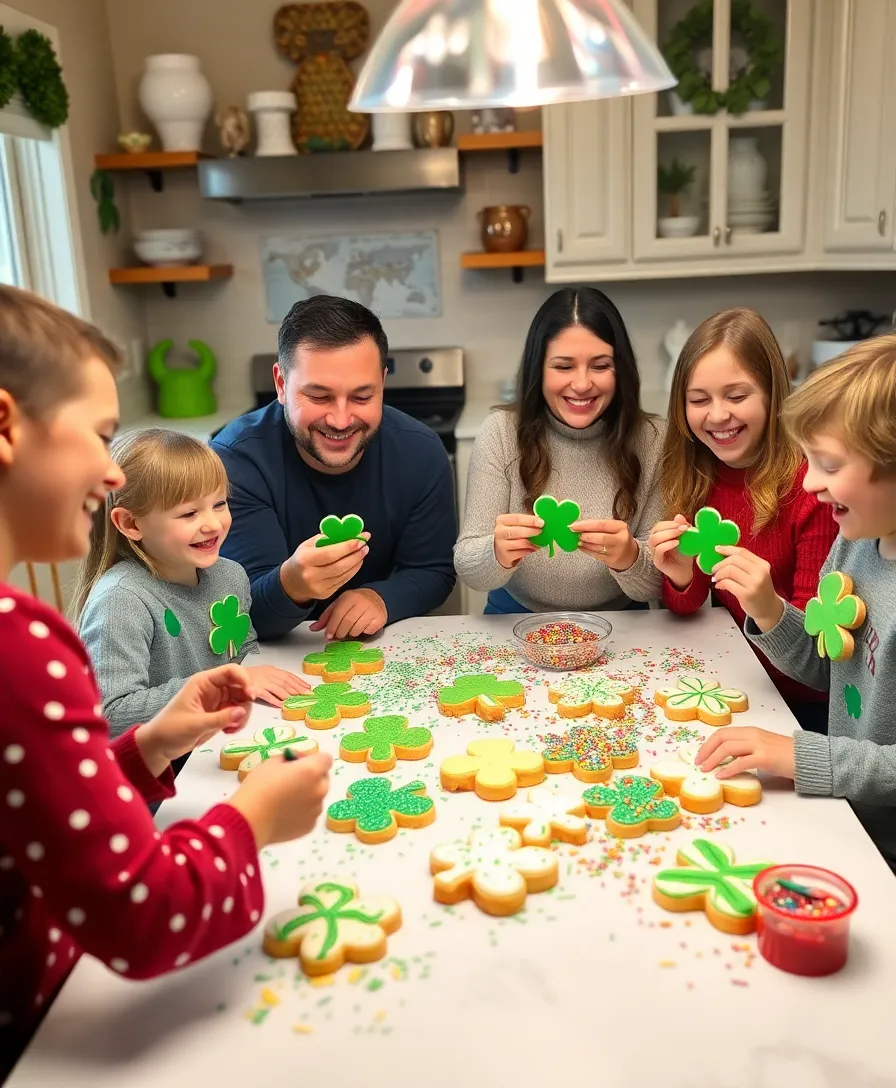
x=82, y=867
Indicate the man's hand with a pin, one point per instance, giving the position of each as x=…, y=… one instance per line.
x=314, y=574
x=355, y=612
x=749, y=579
x=748, y=749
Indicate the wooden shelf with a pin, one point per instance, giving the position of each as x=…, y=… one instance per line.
x=169, y=276
x=152, y=163
x=511, y=142
x=516, y=262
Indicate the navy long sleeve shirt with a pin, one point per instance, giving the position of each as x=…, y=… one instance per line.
x=402, y=487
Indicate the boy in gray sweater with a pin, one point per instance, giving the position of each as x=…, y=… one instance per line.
x=844, y=418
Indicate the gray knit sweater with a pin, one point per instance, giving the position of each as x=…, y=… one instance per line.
x=146, y=636
x=579, y=471
x=857, y=759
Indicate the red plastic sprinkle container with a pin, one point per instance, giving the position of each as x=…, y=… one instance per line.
x=803, y=916
x=562, y=640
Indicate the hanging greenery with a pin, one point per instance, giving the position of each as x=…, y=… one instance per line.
x=102, y=189
x=40, y=79
x=763, y=48
x=8, y=74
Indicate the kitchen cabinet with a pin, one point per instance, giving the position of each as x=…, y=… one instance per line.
x=860, y=174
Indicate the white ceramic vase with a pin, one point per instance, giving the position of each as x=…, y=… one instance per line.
x=177, y=98
x=272, y=111
x=392, y=132
x=747, y=172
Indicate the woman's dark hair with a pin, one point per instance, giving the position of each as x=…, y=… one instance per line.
x=624, y=418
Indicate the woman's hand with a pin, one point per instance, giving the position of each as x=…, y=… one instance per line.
x=272, y=685
x=747, y=749
x=207, y=703
x=607, y=540
x=668, y=560
x=749, y=579
x=512, y=538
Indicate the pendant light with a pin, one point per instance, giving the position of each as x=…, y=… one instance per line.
x=468, y=54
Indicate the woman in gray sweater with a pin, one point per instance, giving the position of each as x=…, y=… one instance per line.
x=576, y=432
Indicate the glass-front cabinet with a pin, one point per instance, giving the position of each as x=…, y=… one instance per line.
x=722, y=159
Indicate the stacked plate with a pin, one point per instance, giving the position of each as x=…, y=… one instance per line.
x=168, y=247
x=751, y=216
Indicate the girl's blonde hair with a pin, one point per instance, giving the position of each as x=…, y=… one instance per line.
x=688, y=466
x=163, y=469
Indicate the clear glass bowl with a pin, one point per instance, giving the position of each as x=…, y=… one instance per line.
x=564, y=656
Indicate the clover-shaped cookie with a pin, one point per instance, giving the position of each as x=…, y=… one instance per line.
x=702, y=792
x=375, y=811
x=709, y=532
x=493, y=768
x=710, y=880
x=326, y=705
x=482, y=694
x=384, y=741
x=591, y=752
x=557, y=518
x=342, y=661
x=695, y=697
x=245, y=754
x=331, y=925
x=493, y=869
x=833, y=614
x=632, y=805
x=544, y=816
x=230, y=626
x=338, y=530
x=591, y=694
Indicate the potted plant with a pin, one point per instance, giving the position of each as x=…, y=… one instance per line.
x=673, y=181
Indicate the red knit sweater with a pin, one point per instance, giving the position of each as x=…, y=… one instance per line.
x=795, y=545
x=82, y=867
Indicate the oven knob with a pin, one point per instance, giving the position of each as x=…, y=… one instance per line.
x=425, y=365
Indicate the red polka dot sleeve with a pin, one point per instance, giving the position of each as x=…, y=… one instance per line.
x=81, y=863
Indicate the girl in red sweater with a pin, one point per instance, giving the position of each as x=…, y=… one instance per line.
x=725, y=448
x=82, y=867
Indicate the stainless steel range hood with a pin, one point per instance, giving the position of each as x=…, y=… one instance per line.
x=339, y=173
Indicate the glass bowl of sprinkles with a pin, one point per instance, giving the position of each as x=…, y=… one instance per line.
x=562, y=640
x=803, y=918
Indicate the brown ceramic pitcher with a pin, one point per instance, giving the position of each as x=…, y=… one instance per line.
x=505, y=227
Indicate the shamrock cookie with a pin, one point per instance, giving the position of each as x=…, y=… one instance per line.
x=375, y=811
x=709, y=880
x=245, y=754
x=557, y=518
x=833, y=614
x=632, y=806
x=590, y=752
x=704, y=793
x=709, y=532
x=384, y=741
x=342, y=661
x=230, y=626
x=481, y=694
x=493, y=768
x=338, y=530
x=695, y=697
x=545, y=816
x=332, y=926
x=326, y=705
x=591, y=694
x=493, y=869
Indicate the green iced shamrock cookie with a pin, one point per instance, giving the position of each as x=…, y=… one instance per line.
x=375, y=810
x=384, y=741
x=230, y=627
x=832, y=614
x=338, y=530
x=557, y=518
x=709, y=532
x=631, y=806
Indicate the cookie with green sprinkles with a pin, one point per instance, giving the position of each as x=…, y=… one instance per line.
x=631, y=806
x=374, y=809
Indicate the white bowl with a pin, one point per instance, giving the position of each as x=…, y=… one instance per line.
x=186, y=235
x=823, y=351
x=167, y=253
x=677, y=226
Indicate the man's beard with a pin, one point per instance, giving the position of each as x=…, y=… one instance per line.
x=305, y=441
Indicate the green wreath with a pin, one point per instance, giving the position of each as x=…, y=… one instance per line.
x=762, y=44
x=40, y=79
x=8, y=74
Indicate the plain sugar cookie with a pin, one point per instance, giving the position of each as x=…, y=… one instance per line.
x=493, y=768
x=702, y=792
x=544, y=816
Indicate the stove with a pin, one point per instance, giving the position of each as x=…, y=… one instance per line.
x=426, y=384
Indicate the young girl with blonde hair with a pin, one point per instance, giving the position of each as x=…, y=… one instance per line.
x=725, y=447
x=156, y=601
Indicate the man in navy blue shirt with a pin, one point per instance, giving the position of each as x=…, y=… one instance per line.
x=328, y=445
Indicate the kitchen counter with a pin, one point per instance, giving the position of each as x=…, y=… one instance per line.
x=201, y=427
x=591, y=983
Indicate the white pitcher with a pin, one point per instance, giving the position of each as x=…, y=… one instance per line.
x=747, y=172
x=177, y=98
